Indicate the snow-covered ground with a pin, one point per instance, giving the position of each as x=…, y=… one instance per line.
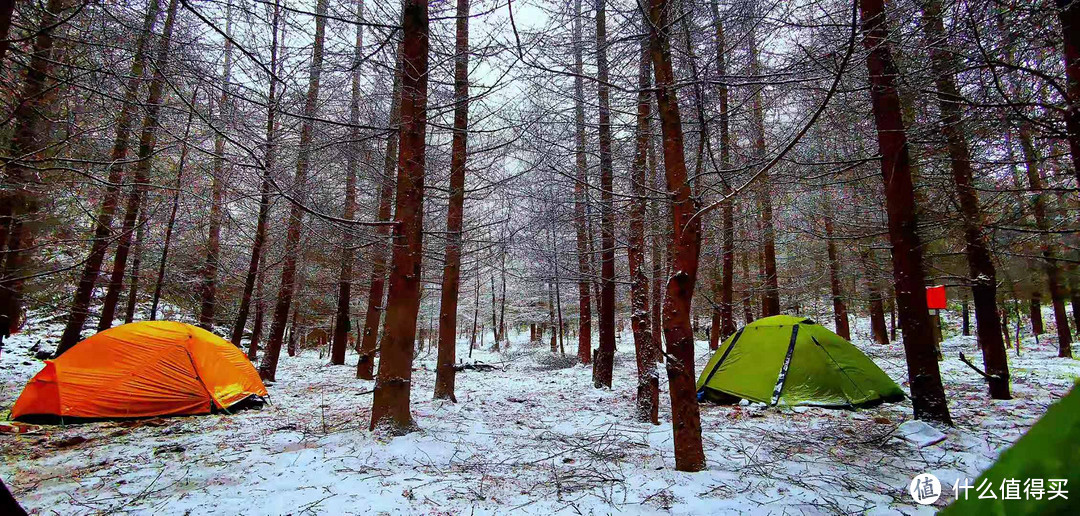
x=526, y=437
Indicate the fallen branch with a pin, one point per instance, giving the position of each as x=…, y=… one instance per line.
x=977, y=370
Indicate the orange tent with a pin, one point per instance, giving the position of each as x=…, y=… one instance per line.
x=142, y=369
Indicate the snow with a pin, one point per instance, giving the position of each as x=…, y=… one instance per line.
x=532, y=436
x=919, y=433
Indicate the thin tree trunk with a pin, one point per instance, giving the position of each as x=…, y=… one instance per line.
x=1069, y=16
x=840, y=315
x=158, y=285
x=365, y=365
x=656, y=243
x=648, y=386
x=980, y=263
x=268, y=365
x=685, y=248
x=927, y=392
x=605, y=355
x=451, y=281
x=879, y=331
x=494, y=316
x=358, y=151
x=217, y=189
x=136, y=261
x=771, y=296
x=269, y=158
x=581, y=165
x=551, y=317
x=727, y=308
x=391, y=401
x=257, y=324
x=1048, y=248
x=103, y=226
x=147, y=144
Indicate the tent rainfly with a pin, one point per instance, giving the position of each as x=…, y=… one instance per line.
x=794, y=361
x=142, y=369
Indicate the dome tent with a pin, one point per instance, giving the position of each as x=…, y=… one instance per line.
x=794, y=361
x=142, y=369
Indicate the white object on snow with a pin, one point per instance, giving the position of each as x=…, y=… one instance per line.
x=920, y=434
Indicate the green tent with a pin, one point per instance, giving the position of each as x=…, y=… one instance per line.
x=1041, y=469
x=794, y=361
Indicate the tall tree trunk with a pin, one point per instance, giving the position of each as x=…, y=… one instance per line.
x=656, y=244
x=927, y=392
x=269, y=157
x=1069, y=16
x=981, y=270
x=365, y=365
x=727, y=308
x=163, y=262
x=1048, y=247
x=30, y=137
x=147, y=144
x=747, y=291
x=771, y=296
x=103, y=226
x=1035, y=313
x=357, y=152
x=605, y=355
x=878, y=330
x=217, y=188
x=136, y=261
x=392, y=386
x=840, y=315
x=648, y=386
x=494, y=315
x=268, y=364
x=451, y=281
x=685, y=248
x=260, y=304
x=584, y=269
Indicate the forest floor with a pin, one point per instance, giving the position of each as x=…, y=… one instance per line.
x=531, y=436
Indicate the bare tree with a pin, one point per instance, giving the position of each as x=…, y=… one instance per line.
x=393, y=383
x=927, y=393
x=451, y=281
x=268, y=365
x=685, y=248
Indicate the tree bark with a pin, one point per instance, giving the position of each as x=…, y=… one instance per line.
x=1047, y=246
x=927, y=392
x=391, y=401
x=268, y=364
x=136, y=262
x=358, y=151
x=365, y=365
x=840, y=315
x=451, y=281
x=103, y=226
x=584, y=270
x=18, y=198
x=727, y=307
x=147, y=144
x=648, y=385
x=217, y=189
x=605, y=355
x=685, y=248
x=254, y=274
x=879, y=331
x=771, y=296
x=982, y=274
x=1069, y=16
x=257, y=324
